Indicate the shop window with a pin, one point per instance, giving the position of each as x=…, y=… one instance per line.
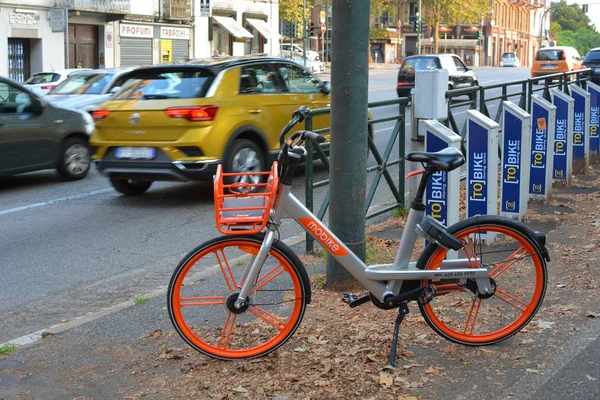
x=19, y=64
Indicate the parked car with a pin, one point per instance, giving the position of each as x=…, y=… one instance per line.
x=552, y=60
x=592, y=60
x=35, y=135
x=313, y=65
x=509, y=60
x=459, y=74
x=87, y=90
x=43, y=82
x=177, y=122
x=287, y=49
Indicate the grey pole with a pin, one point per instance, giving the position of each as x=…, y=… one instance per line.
x=67, y=37
x=349, y=102
x=304, y=31
x=419, y=29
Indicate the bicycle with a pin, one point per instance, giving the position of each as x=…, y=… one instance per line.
x=257, y=298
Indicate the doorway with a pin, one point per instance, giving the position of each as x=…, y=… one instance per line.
x=19, y=59
x=83, y=46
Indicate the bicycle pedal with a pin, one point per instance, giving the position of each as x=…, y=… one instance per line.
x=428, y=293
x=348, y=297
x=354, y=300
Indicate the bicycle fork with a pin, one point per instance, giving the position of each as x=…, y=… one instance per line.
x=250, y=274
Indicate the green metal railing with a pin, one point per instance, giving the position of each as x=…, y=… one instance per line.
x=479, y=99
x=381, y=169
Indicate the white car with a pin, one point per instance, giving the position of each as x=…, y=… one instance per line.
x=509, y=60
x=85, y=91
x=314, y=65
x=43, y=82
x=287, y=49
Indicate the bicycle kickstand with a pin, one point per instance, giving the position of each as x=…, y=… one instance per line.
x=402, y=311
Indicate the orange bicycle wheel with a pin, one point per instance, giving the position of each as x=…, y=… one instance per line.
x=206, y=284
x=517, y=268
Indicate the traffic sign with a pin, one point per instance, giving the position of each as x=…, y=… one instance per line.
x=322, y=15
x=323, y=28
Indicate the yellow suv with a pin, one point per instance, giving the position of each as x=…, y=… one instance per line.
x=177, y=122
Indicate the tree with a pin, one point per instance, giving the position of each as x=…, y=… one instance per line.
x=291, y=10
x=452, y=12
x=570, y=17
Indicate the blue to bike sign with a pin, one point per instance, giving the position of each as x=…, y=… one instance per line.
x=581, y=142
x=563, y=145
x=442, y=191
x=482, y=167
x=515, y=160
x=594, y=91
x=543, y=115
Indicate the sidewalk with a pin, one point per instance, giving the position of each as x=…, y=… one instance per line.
x=135, y=353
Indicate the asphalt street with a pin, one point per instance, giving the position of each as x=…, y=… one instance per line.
x=72, y=249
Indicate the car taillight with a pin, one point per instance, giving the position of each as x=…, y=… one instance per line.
x=200, y=113
x=48, y=87
x=405, y=83
x=564, y=56
x=100, y=114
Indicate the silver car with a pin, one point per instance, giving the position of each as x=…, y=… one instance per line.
x=509, y=60
x=87, y=90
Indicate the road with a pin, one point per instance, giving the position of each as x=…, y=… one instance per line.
x=70, y=249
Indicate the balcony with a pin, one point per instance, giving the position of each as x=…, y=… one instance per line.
x=177, y=9
x=99, y=6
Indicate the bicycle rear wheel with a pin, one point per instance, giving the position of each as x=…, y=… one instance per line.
x=205, y=285
x=518, y=269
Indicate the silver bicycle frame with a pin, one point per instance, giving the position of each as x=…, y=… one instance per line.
x=380, y=280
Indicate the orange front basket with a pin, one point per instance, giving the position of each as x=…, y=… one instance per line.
x=243, y=208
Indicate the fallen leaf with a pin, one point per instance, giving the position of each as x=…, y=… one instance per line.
x=240, y=389
x=385, y=379
x=561, y=285
x=545, y=324
x=408, y=398
x=532, y=371
x=591, y=314
x=589, y=378
x=301, y=349
x=423, y=336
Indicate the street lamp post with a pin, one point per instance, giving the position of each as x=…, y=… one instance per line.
x=304, y=31
x=419, y=13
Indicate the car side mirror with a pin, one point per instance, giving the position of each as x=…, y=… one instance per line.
x=114, y=89
x=37, y=107
x=326, y=87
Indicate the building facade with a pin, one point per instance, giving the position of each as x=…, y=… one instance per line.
x=46, y=35
x=511, y=26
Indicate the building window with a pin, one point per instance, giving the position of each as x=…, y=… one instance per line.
x=19, y=67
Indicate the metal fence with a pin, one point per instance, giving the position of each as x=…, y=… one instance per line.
x=479, y=98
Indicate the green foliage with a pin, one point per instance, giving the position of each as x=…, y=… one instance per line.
x=141, y=299
x=583, y=39
x=377, y=32
x=291, y=10
x=570, y=17
x=8, y=348
x=453, y=12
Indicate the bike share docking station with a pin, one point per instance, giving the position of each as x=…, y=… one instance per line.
x=543, y=114
x=594, y=125
x=581, y=138
x=563, y=134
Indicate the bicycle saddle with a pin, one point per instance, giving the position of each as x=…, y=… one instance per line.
x=446, y=159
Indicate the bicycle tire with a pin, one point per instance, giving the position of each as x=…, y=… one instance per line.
x=518, y=304
x=204, y=281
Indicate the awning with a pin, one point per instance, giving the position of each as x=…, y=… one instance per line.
x=232, y=26
x=263, y=28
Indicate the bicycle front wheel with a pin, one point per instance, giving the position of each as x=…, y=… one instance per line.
x=517, y=267
x=206, y=283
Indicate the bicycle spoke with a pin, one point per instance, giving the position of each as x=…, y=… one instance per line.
x=475, y=263
x=226, y=333
x=226, y=270
x=271, y=319
x=503, y=293
x=502, y=267
x=202, y=301
x=268, y=277
x=472, y=317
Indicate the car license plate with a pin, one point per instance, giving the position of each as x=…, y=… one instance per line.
x=549, y=66
x=145, y=153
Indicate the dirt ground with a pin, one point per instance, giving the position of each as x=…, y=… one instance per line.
x=340, y=353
